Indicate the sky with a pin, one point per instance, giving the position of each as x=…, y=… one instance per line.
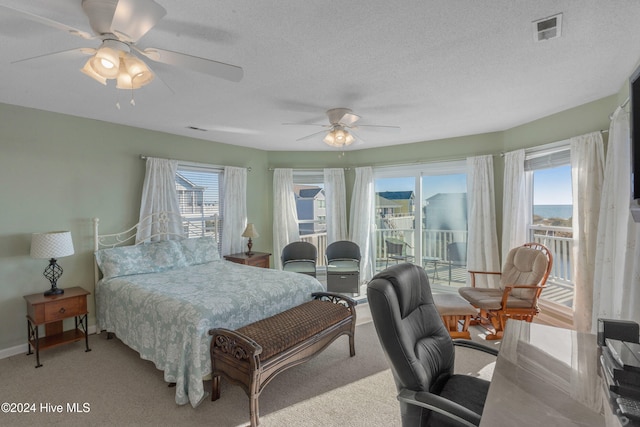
x=551, y=186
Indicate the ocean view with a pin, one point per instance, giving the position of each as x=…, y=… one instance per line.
x=553, y=211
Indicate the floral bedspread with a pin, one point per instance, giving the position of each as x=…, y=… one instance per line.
x=166, y=316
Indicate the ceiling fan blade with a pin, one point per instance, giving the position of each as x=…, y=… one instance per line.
x=133, y=18
x=348, y=119
x=68, y=52
x=49, y=22
x=310, y=136
x=305, y=124
x=195, y=63
x=386, y=128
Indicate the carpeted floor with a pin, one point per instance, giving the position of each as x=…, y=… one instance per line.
x=111, y=385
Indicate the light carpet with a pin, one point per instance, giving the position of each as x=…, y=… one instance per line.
x=111, y=385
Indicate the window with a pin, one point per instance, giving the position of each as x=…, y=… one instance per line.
x=549, y=180
x=199, y=195
x=308, y=187
x=420, y=211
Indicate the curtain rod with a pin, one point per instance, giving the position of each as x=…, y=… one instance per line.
x=430, y=161
x=271, y=169
x=624, y=104
x=189, y=163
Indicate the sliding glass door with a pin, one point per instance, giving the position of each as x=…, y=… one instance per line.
x=421, y=217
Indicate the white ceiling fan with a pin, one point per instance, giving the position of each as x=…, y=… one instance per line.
x=339, y=131
x=119, y=24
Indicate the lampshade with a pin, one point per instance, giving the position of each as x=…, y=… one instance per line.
x=338, y=137
x=55, y=244
x=133, y=74
x=114, y=60
x=250, y=231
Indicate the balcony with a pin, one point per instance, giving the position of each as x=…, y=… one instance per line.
x=559, y=288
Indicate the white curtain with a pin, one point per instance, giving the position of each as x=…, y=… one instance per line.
x=361, y=219
x=587, y=173
x=159, y=195
x=482, y=251
x=234, y=205
x=515, y=212
x=336, y=205
x=285, y=217
x=616, y=290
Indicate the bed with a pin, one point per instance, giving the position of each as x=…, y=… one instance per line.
x=161, y=298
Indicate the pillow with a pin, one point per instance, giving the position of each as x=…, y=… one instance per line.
x=145, y=258
x=200, y=250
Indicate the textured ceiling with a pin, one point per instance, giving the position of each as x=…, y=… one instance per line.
x=437, y=69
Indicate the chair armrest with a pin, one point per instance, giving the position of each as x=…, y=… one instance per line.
x=509, y=288
x=475, y=346
x=474, y=272
x=439, y=404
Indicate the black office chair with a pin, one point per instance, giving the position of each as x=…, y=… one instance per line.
x=300, y=257
x=456, y=256
x=343, y=267
x=421, y=352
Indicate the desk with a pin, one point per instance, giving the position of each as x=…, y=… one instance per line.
x=544, y=376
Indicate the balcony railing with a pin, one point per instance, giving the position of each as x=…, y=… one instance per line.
x=434, y=245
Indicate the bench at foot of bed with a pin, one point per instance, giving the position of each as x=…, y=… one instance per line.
x=254, y=354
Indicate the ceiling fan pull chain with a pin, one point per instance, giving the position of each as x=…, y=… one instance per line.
x=133, y=101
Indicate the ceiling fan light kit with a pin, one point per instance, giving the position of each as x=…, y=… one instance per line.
x=114, y=60
x=338, y=137
x=341, y=125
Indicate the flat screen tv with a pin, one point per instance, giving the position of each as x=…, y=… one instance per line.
x=634, y=99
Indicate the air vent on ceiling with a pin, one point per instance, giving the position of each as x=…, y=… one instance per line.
x=197, y=128
x=547, y=28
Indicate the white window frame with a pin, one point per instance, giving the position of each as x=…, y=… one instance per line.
x=548, y=156
x=213, y=169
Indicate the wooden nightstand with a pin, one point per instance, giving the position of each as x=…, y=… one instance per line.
x=50, y=311
x=256, y=259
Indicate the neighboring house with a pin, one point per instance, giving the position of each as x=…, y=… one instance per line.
x=190, y=196
x=446, y=211
x=311, y=206
x=201, y=216
x=404, y=199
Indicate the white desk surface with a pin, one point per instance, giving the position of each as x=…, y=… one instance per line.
x=537, y=382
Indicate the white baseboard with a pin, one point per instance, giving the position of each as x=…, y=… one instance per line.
x=23, y=348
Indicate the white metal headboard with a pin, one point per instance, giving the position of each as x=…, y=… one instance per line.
x=159, y=223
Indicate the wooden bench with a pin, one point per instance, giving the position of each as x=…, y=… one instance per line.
x=253, y=355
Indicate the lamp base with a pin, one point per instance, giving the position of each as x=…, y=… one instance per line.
x=249, y=245
x=54, y=291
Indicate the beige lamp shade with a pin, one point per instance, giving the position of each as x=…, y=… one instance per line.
x=54, y=244
x=250, y=231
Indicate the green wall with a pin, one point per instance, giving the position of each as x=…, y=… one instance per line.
x=58, y=172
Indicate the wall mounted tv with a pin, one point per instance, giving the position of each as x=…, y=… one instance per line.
x=634, y=98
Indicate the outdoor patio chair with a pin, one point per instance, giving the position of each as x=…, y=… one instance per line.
x=343, y=267
x=397, y=251
x=456, y=256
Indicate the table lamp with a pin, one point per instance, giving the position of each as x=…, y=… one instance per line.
x=52, y=245
x=250, y=232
